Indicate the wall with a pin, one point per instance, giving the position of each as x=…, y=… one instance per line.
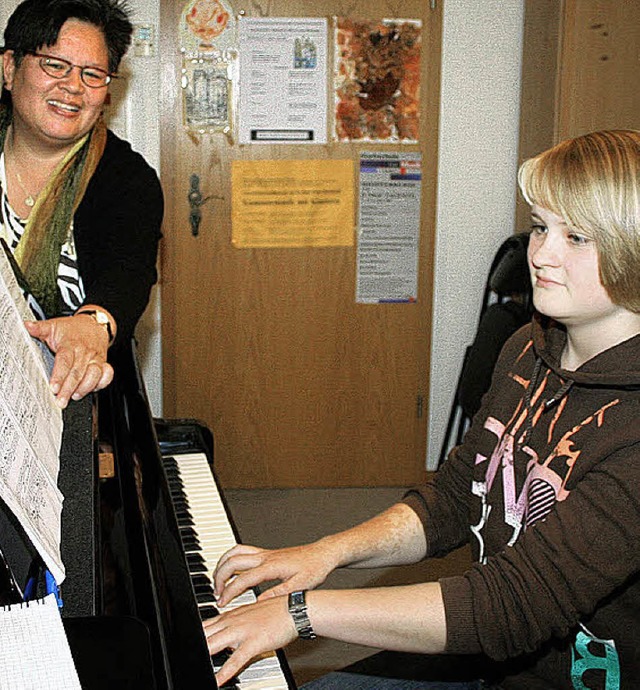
x=137, y=121
x=482, y=45
x=480, y=92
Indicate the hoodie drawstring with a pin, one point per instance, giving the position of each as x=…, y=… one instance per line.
x=547, y=405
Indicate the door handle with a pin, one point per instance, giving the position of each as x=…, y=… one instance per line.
x=196, y=200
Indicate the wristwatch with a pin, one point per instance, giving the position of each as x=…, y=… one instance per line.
x=298, y=611
x=99, y=317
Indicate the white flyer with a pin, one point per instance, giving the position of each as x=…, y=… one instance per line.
x=283, y=80
x=388, y=227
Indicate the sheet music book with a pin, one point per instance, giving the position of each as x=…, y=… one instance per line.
x=34, y=652
x=30, y=428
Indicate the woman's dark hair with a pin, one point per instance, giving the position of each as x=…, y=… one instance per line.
x=37, y=23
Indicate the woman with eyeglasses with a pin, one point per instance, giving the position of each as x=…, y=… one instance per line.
x=79, y=209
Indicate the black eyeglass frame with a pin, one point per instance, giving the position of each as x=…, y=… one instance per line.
x=42, y=57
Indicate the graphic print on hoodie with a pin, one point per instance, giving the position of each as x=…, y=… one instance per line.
x=547, y=474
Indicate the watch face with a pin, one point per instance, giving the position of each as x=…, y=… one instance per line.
x=297, y=598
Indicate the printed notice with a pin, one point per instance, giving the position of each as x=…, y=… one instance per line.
x=283, y=73
x=389, y=227
x=292, y=203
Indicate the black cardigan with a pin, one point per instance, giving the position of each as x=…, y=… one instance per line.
x=117, y=228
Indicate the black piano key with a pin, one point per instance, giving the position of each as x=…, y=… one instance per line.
x=191, y=543
x=196, y=563
x=198, y=568
x=197, y=571
x=202, y=587
x=187, y=531
x=207, y=612
x=201, y=580
x=205, y=597
x=218, y=659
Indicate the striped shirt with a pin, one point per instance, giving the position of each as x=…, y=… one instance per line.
x=11, y=230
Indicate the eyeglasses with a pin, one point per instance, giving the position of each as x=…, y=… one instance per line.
x=56, y=67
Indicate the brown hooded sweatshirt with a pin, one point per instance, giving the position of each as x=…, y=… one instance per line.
x=546, y=488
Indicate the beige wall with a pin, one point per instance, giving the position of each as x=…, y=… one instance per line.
x=480, y=93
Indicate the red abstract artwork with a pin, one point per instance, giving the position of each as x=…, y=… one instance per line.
x=377, y=80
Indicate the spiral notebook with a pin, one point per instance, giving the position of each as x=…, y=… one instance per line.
x=34, y=651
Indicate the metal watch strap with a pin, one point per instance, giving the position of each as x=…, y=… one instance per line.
x=100, y=318
x=298, y=611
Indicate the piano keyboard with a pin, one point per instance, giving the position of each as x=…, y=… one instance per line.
x=206, y=535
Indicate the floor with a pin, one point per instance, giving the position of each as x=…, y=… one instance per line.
x=283, y=517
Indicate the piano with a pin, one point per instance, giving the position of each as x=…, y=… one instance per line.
x=140, y=543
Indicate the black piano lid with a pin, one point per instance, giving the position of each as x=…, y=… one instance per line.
x=163, y=594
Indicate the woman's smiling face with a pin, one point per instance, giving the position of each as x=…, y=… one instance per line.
x=59, y=112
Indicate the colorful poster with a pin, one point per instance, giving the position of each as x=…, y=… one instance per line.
x=377, y=80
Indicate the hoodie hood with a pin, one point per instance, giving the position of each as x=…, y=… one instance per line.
x=617, y=367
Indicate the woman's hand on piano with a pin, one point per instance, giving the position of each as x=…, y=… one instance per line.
x=298, y=567
x=249, y=631
x=80, y=346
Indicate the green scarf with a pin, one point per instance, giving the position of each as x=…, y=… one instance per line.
x=49, y=224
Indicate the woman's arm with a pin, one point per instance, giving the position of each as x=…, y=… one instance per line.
x=409, y=618
x=394, y=537
x=117, y=228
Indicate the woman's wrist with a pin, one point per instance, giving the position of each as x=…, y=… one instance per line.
x=102, y=317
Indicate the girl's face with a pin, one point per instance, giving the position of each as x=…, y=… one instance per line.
x=563, y=263
x=58, y=112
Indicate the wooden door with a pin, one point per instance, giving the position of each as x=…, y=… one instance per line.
x=579, y=73
x=599, y=62
x=300, y=385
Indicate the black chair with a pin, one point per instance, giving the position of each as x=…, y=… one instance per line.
x=506, y=306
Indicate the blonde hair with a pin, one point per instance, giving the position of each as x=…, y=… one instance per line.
x=593, y=182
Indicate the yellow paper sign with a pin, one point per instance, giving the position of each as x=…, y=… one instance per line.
x=292, y=203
